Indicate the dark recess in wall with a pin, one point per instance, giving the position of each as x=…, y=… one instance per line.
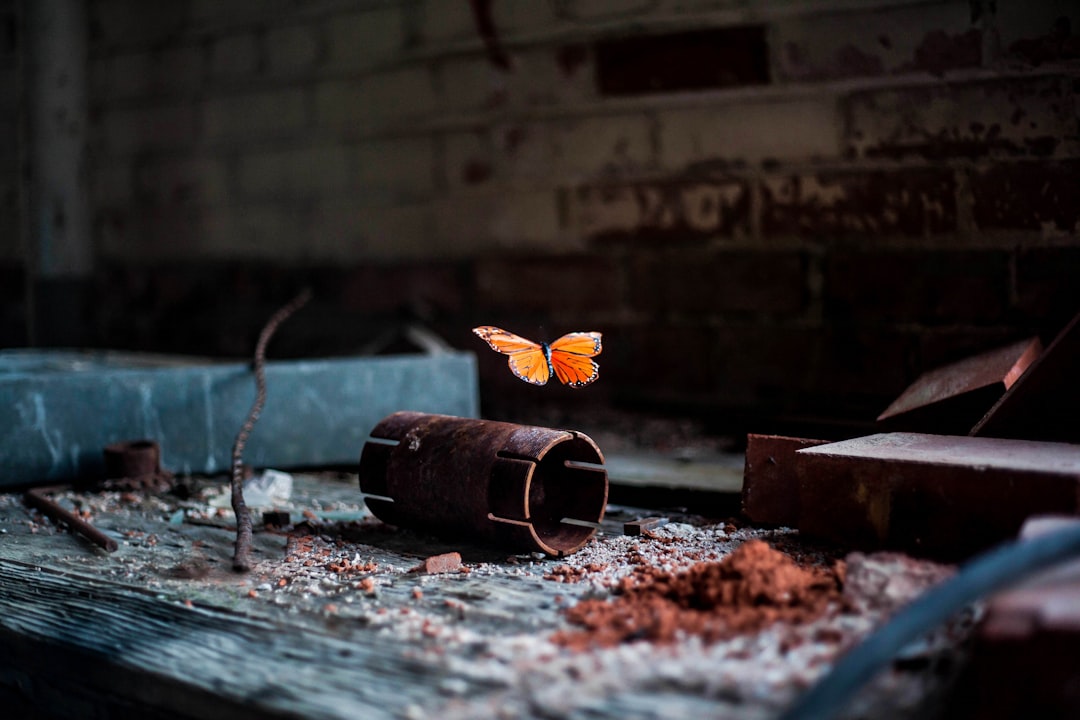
x=696, y=60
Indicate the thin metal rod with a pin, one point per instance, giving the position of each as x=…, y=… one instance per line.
x=242, y=551
x=37, y=499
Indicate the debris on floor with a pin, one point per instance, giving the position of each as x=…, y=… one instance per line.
x=76, y=523
x=268, y=489
x=491, y=640
x=644, y=525
x=443, y=563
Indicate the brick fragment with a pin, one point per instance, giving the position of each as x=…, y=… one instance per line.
x=944, y=497
x=445, y=563
x=770, y=492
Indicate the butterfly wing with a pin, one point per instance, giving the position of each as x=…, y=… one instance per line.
x=530, y=366
x=578, y=343
x=504, y=342
x=570, y=358
x=574, y=370
x=526, y=358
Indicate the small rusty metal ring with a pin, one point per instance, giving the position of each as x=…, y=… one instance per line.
x=132, y=459
x=135, y=465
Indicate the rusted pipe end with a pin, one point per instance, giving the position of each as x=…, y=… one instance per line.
x=529, y=488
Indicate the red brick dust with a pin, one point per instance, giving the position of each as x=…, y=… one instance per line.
x=750, y=589
x=568, y=574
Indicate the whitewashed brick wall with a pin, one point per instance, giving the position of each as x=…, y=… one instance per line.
x=307, y=118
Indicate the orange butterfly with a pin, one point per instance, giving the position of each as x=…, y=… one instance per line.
x=567, y=357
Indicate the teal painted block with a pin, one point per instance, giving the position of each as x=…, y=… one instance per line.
x=59, y=409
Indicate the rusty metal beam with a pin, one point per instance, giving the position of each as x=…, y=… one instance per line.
x=770, y=492
x=946, y=497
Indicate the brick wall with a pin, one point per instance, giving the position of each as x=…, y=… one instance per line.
x=789, y=209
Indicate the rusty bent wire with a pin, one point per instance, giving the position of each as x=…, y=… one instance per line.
x=522, y=487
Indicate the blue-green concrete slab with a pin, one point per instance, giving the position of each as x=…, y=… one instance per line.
x=59, y=409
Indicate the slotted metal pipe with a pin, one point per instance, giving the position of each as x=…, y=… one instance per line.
x=518, y=486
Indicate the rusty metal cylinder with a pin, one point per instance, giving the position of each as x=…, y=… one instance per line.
x=134, y=459
x=521, y=487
